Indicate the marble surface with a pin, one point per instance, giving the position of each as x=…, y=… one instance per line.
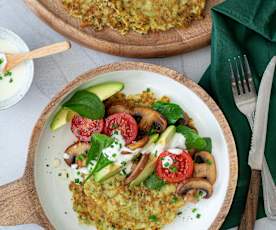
x=51, y=74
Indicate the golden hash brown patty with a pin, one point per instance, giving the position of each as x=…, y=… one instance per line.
x=113, y=205
x=141, y=16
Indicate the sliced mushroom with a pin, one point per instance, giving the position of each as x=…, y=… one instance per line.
x=119, y=109
x=139, y=144
x=193, y=186
x=138, y=169
x=206, y=169
x=150, y=118
x=75, y=150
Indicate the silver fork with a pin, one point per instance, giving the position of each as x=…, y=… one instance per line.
x=245, y=97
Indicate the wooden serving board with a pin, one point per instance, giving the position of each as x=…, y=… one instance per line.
x=157, y=44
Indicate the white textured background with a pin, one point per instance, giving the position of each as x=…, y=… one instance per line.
x=51, y=74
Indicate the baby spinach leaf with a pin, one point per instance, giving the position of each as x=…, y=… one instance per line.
x=98, y=143
x=101, y=163
x=208, y=146
x=193, y=140
x=86, y=104
x=172, y=112
x=154, y=182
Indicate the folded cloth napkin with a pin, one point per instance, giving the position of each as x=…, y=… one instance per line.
x=242, y=27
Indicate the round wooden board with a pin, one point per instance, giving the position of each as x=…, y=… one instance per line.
x=157, y=44
x=19, y=202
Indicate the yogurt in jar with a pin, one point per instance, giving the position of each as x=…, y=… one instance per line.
x=14, y=83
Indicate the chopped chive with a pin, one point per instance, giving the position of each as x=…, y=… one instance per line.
x=153, y=218
x=1, y=61
x=174, y=200
x=11, y=80
x=209, y=162
x=194, y=210
x=7, y=73
x=198, y=215
x=173, y=169
x=179, y=213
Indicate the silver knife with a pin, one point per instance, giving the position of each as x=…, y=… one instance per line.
x=256, y=153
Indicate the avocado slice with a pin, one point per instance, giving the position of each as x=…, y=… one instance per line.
x=106, y=90
x=62, y=117
x=103, y=91
x=107, y=172
x=147, y=171
x=165, y=137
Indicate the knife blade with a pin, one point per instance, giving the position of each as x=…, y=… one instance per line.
x=256, y=153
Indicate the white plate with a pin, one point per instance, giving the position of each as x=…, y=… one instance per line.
x=53, y=190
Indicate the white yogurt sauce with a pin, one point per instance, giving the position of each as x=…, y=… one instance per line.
x=176, y=145
x=11, y=85
x=175, y=151
x=177, y=141
x=115, y=152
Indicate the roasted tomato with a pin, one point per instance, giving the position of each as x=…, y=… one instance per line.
x=174, y=168
x=83, y=127
x=123, y=122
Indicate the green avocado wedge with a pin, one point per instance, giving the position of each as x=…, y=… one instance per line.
x=106, y=90
x=107, y=172
x=103, y=91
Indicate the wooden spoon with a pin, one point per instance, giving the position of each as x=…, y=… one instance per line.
x=15, y=59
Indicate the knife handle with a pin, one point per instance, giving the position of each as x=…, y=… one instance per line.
x=250, y=211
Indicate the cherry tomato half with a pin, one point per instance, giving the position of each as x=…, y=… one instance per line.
x=123, y=122
x=180, y=169
x=83, y=127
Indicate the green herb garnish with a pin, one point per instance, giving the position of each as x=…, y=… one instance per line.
x=173, y=169
x=174, y=200
x=1, y=61
x=194, y=210
x=209, y=162
x=153, y=218
x=7, y=73
x=198, y=215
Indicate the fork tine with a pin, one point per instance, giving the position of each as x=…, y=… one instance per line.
x=248, y=75
x=243, y=78
x=238, y=77
x=235, y=87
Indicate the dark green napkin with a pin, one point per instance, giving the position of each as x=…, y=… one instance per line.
x=242, y=27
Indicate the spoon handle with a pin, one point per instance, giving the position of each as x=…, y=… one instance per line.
x=47, y=50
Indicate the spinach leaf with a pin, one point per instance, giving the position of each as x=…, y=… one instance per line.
x=154, y=182
x=86, y=104
x=208, y=146
x=172, y=112
x=98, y=143
x=193, y=140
